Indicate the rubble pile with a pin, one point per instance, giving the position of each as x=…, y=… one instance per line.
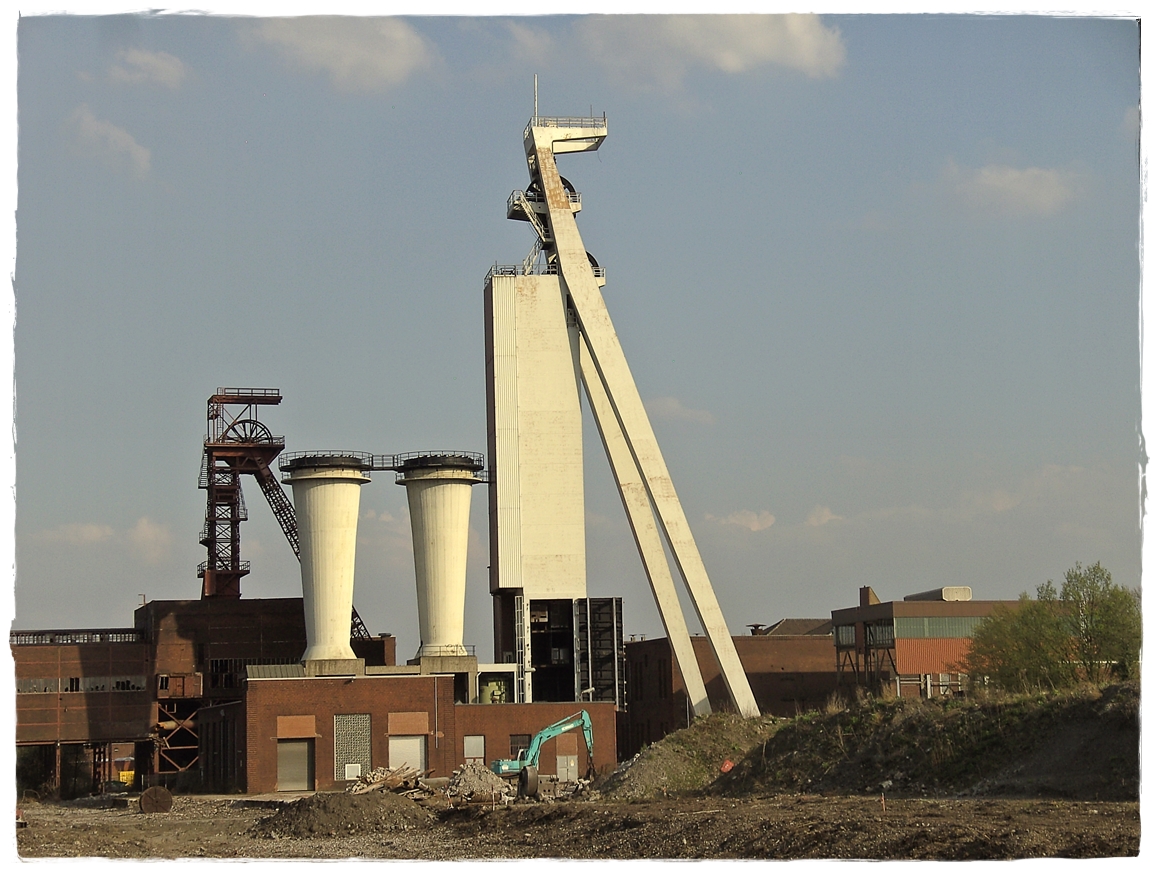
x=474, y=779
x=402, y=777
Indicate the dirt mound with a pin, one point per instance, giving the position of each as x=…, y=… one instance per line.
x=687, y=760
x=339, y=814
x=1079, y=745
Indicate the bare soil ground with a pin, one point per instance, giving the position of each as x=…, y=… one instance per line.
x=778, y=827
x=1046, y=776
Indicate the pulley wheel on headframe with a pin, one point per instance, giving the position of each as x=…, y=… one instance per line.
x=156, y=800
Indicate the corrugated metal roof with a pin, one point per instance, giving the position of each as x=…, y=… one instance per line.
x=800, y=626
x=270, y=672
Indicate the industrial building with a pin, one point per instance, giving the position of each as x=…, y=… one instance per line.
x=228, y=693
x=916, y=645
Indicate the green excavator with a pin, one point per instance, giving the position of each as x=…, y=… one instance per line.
x=525, y=767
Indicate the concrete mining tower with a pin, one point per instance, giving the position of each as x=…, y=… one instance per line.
x=548, y=331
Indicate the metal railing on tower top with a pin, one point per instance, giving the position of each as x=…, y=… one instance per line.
x=565, y=121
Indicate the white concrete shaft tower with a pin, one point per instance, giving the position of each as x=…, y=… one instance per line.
x=438, y=487
x=588, y=348
x=326, y=498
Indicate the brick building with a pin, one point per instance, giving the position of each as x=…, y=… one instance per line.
x=301, y=732
x=916, y=645
x=205, y=694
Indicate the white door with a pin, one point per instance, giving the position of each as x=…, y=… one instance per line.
x=407, y=750
x=567, y=768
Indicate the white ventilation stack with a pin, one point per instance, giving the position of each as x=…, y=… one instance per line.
x=439, y=486
x=326, y=497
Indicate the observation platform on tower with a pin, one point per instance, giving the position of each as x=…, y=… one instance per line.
x=567, y=134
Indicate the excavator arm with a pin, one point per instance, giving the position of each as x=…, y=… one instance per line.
x=574, y=721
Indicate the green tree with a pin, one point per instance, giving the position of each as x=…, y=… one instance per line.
x=1089, y=630
x=1025, y=647
x=1103, y=620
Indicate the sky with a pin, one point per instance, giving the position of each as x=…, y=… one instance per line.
x=877, y=278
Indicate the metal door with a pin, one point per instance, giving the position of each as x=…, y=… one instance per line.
x=295, y=765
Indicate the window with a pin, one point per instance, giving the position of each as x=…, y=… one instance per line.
x=935, y=627
x=37, y=685
x=73, y=685
x=518, y=743
x=881, y=634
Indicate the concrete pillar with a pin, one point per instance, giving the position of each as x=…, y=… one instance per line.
x=327, y=497
x=438, y=487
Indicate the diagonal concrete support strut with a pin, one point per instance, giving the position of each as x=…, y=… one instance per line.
x=609, y=362
x=636, y=501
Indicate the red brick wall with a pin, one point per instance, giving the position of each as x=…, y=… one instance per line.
x=82, y=716
x=221, y=628
x=499, y=722
x=324, y=697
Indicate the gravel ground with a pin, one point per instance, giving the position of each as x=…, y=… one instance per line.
x=779, y=827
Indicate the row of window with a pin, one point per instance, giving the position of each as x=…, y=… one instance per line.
x=884, y=634
x=104, y=684
x=78, y=636
x=229, y=673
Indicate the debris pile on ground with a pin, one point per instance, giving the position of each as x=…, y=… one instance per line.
x=1006, y=746
x=340, y=814
x=688, y=760
x=474, y=780
x=980, y=746
x=402, y=777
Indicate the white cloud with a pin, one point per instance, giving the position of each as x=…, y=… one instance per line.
x=671, y=408
x=77, y=534
x=1008, y=190
x=150, y=541
x=1130, y=126
x=531, y=44
x=746, y=519
x=147, y=541
x=656, y=51
x=821, y=515
x=358, y=54
x=109, y=143
x=387, y=539
x=137, y=67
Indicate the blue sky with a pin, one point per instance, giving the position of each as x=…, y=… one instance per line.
x=877, y=279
